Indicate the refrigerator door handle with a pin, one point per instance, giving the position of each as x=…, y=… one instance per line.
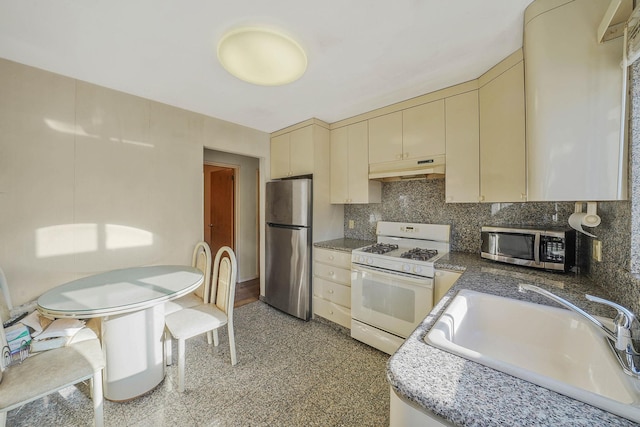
x=293, y=227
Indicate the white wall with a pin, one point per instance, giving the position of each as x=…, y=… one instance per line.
x=92, y=179
x=246, y=245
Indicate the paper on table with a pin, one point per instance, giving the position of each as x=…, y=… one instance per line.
x=61, y=328
x=36, y=322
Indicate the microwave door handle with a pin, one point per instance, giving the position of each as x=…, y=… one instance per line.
x=536, y=249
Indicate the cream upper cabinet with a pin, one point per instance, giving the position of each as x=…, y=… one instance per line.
x=462, y=178
x=350, y=167
x=576, y=149
x=292, y=153
x=413, y=133
x=280, y=156
x=423, y=130
x=502, y=132
x=385, y=138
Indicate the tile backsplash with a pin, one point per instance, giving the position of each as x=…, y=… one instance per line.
x=424, y=202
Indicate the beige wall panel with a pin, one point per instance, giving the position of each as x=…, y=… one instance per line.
x=36, y=179
x=121, y=186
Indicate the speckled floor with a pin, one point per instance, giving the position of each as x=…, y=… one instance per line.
x=289, y=373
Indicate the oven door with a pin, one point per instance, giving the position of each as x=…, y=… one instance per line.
x=393, y=302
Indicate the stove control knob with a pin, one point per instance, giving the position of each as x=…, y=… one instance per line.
x=360, y=258
x=369, y=260
x=406, y=267
x=417, y=269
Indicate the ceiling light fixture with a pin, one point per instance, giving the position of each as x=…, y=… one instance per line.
x=262, y=56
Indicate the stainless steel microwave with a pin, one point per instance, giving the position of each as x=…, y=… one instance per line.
x=531, y=247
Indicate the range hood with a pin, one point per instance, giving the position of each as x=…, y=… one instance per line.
x=407, y=169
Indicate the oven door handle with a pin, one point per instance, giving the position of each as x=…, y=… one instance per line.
x=413, y=280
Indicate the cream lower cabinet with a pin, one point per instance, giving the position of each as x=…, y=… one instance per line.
x=502, y=132
x=332, y=285
x=442, y=282
x=350, y=166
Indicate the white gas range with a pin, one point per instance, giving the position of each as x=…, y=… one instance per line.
x=392, y=282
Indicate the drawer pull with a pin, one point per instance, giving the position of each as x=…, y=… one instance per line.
x=331, y=257
x=331, y=273
x=330, y=291
x=330, y=311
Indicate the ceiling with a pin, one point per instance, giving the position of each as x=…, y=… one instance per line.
x=362, y=54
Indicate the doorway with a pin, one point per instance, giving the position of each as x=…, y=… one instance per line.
x=231, y=212
x=219, y=207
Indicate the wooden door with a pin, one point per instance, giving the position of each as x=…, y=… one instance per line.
x=219, y=207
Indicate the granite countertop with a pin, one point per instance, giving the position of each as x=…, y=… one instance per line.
x=345, y=245
x=469, y=394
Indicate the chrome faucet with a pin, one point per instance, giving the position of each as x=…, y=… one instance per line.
x=621, y=340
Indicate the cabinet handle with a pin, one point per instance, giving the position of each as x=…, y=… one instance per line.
x=330, y=311
x=331, y=257
x=481, y=198
x=331, y=273
x=399, y=156
x=406, y=155
x=330, y=291
x=523, y=196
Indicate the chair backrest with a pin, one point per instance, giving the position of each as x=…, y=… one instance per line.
x=202, y=261
x=223, y=285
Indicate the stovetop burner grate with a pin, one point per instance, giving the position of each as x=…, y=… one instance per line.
x=380, y=248
x=419, y=254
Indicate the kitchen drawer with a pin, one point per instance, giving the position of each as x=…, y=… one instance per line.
x=334, y=292
x=338, y=258
x=332, y=273
x=334, y=312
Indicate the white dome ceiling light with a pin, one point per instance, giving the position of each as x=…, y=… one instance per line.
x=262, y=56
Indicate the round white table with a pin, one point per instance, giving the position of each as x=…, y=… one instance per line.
x=130, y=304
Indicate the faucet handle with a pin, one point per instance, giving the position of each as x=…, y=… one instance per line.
x=623, y=322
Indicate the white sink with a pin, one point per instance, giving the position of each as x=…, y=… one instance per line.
x=551, y=347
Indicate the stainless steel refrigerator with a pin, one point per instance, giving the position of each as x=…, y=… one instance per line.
x=288, y=246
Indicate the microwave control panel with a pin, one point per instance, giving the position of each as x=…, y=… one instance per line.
x=552, y=249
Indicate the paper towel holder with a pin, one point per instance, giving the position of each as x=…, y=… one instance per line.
x=589, y=218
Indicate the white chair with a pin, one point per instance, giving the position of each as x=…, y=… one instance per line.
x=52, y=370
x=201, y=259
x=193, y=321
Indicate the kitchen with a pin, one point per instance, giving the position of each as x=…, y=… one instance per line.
x=94, y=216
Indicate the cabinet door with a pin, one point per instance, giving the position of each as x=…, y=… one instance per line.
x=340, y=165
x=502, y=136
x=358, y=163
x=301, y=151
x=462, y=178
x=280, y=156
x=442, y=282
x=385, y=138
x=423, y=130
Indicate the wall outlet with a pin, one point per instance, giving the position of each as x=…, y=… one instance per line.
x=596, y=250
x=352, y=224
